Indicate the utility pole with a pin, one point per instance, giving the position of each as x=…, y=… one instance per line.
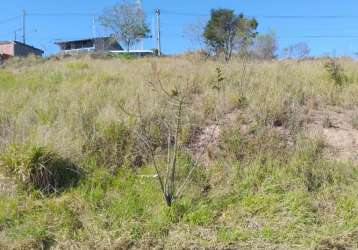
x=94, y=32
x=157, y=12
x=138, y=4
x=24, y=26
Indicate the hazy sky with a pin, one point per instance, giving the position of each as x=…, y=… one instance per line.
x=328, y=26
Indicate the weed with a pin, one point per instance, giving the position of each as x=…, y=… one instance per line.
x=202, y=215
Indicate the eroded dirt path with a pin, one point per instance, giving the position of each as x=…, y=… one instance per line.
x=332, y=124
x=336, y=127
x=207, y=141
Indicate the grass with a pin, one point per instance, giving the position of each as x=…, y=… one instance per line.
x=263, y=189
x=355, y=121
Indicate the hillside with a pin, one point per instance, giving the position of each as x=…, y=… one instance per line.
x=276, y=144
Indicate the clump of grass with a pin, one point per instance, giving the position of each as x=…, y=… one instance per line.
x=77, y=65
x=109, y=144
x=327, y=123
x=40, y=169
x=7, y=78
x=336, y=72
x=355, y=121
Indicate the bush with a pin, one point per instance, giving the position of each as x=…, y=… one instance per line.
x=40, y=169
x=336, y=72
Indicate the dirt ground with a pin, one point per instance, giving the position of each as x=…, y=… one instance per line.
x=333, y=125
x=336, y=128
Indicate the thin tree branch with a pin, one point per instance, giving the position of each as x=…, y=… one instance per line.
x=178, y=126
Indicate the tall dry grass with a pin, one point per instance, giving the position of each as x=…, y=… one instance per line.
x=63, y=104
x=76, y=109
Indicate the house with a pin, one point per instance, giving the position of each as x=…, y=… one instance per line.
x=19, y=49
x=99, y=44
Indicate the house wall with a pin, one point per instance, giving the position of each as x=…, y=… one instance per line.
x=22, y=50
x=7, y=49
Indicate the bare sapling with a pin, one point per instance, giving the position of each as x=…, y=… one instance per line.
x=171, y=122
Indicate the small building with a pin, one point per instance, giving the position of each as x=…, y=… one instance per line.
x=19, y=49
x=99, y=44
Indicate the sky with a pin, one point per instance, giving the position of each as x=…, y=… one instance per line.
x=329, y=27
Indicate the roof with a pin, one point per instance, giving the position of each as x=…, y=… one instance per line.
x=82, y=40
x=5, y=42
x=24, y=44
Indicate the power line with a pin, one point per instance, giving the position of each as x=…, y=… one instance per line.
x=307, y=17
x=175, y=13
x=10, y=19
x=320, y=36
x=62, y=14
x=168, y=12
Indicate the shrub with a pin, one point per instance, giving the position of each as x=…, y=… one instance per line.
x=38, y=168
x=336, y=72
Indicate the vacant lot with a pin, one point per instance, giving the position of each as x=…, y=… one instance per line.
x=279, y=168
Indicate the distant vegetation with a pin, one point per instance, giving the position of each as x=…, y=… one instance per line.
x=70, y=141
x=227, y=32
x=127, y=22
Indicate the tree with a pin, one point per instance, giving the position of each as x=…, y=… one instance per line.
x=265, y=46
x=194, y=32
x=173, y=176
x=127, y=21
x=226, y=32
x=298, y=51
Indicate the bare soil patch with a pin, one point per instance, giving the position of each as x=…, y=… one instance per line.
x=334, y=125
x=336, y=128
x=205, y=143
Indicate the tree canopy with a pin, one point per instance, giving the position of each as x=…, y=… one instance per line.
x=226, y=32
x=127, y=21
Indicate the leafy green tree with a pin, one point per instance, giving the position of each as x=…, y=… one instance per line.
x=226, y=32
x=127, y=21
